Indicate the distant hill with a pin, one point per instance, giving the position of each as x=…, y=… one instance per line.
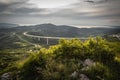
x=67, y=31
x=61, y=30
x=7, y=25
x=13, y=33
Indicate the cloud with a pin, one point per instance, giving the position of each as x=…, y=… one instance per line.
x=52, y=3
x=96, y=1
x=10, y=5
x=72, y=12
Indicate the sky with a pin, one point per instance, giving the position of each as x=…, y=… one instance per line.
x=63, y=12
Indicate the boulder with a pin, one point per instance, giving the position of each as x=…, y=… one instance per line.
x=83, y=77
x=74, y=75
x=5, y=76
x=88, y=62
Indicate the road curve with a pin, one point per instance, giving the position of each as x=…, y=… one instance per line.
x=46, y=37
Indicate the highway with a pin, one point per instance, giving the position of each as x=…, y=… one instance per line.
x=46, y=37
x=22, y=39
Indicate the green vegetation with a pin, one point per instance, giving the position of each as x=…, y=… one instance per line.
x=60, y=61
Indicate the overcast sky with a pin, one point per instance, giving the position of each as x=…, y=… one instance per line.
x=67, y=12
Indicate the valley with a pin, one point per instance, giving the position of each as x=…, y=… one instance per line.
x=23, y=35
x=49, y=51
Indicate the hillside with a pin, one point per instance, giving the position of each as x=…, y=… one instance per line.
x=64, y=30
x=27, y=58
x=7, y=25
x=68, y=60
x=13, y=37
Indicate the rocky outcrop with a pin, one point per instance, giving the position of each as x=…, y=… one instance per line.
x=6, y=76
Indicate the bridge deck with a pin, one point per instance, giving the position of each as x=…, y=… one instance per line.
x=46, y=37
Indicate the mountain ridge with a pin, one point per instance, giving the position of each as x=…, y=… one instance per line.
x=8, y=25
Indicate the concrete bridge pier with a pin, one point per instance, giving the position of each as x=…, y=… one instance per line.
x=38, y=39
x=47, y=41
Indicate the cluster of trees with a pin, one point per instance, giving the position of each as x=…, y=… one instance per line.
x=60, y=62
